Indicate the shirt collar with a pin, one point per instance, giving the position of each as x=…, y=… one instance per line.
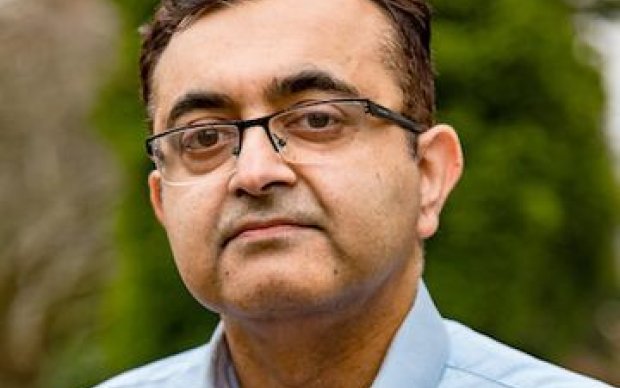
x=419, y=350
x=416, y=357
x=220, y=371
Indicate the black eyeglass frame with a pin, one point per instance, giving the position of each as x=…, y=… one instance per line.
x=370, y=106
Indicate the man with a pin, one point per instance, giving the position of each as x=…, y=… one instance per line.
x=298, y=174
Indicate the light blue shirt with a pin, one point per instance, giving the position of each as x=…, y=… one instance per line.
x=427, y=352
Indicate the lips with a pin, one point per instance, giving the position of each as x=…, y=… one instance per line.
x=264, y=228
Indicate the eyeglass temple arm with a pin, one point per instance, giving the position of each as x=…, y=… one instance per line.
x=382, y=112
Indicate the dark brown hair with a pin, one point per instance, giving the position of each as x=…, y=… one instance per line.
x=410, y=49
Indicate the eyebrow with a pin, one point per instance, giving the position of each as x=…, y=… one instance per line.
x=303, y=81
x=309, y=80
x=196, y=100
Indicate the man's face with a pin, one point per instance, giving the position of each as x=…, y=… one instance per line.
x=272, y=238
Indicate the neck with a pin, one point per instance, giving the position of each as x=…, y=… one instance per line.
x=342, y=348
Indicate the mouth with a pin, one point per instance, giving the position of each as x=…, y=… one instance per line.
x=265, y=229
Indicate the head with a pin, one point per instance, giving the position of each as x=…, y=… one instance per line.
x=271, y=238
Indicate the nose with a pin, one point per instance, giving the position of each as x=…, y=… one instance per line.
x=259, y=167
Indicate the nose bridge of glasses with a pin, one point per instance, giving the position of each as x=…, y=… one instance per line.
x=262, y=122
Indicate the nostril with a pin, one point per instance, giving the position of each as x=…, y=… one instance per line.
x=264, y=190
x=239, y=193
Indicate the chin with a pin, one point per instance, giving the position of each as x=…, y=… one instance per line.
x=285, y=298
x=281, y=300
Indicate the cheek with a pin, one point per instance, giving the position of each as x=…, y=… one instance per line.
x=191, y=216
x=374, y=208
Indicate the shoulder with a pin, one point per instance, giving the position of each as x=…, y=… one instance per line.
x=179, y=370
x=479, y=361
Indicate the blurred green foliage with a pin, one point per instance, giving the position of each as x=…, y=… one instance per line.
x=525, y=247
x=148, y=312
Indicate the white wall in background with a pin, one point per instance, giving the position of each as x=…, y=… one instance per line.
x=604, y=35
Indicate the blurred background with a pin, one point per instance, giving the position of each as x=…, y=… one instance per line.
x=529, y=248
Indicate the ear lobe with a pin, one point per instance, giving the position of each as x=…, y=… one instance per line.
x=440, y=165
x=155, y=194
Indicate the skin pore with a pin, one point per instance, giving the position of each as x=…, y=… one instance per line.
x=312, y=267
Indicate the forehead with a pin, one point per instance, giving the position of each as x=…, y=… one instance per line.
x=239, y=49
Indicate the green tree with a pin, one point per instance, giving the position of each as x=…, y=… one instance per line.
x=524, y=251
x=148, y=312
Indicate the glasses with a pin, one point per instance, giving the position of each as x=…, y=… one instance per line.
x=302, y=134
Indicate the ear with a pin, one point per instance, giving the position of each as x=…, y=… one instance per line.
x=155, y=191
x=440, y=165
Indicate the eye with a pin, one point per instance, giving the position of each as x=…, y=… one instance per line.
x=317, y=123
x=207, y=139
x=317, y=120
x=200, y=138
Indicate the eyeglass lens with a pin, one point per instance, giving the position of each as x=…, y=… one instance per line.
x=302, y=135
